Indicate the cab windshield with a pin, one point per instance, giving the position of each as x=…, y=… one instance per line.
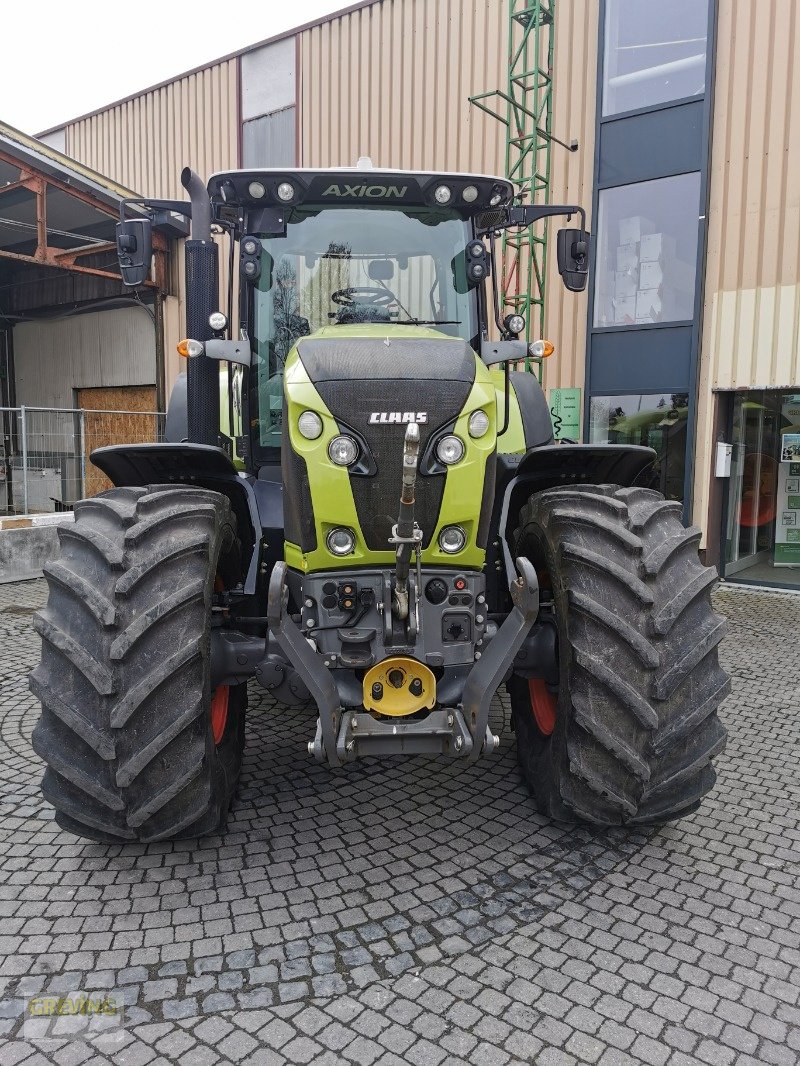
x=350, y=266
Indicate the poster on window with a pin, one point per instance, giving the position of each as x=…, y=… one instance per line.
x=787, y=519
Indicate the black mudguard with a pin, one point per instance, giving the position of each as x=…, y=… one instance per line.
x=209, y=467
x=547, y=467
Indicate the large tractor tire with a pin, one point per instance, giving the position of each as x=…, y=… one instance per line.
x=629, y=733
x=136, y=745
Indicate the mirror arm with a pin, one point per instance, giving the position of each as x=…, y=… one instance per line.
x=527, y=214
x=180, y=207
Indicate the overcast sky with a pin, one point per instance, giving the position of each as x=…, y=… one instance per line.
x=62, y=58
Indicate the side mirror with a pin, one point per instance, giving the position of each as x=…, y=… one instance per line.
x=134, y=250
x=573, y=258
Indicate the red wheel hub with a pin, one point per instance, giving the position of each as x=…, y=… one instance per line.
x=543, y=705
x=220, y=699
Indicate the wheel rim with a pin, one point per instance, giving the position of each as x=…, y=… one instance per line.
x=219, y=711
x=543, y=705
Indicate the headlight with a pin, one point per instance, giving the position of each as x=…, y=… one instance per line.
x=285, y=191
x=450, y=449
x=343, y=451
x=470, y=194
x=514, y=324
x=442, y=194
x=310, y=425
x=341, y=541
x=256, y=190
x=452, y=539
x=478, y=423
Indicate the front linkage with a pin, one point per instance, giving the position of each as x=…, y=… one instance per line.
x=343, y=735
x=287, y=662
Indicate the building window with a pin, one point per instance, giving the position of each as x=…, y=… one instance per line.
x=654, y=421
x=269, y=140
x=647, y=252
x=762, y=538
x=654, y=52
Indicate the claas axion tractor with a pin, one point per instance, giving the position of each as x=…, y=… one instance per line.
x=361, y=506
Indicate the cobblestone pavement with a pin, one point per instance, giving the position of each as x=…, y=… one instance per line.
x=411, y=912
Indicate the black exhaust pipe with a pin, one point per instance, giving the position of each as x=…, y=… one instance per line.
x=202, y=298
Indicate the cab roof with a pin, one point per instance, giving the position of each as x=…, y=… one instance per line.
x=360, y=186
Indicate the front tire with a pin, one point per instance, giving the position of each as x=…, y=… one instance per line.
x=632, y=728
x=131, y=746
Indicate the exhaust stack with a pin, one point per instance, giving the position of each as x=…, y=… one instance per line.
x=202, y=297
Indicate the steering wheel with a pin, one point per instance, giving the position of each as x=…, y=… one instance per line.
x=376, y=296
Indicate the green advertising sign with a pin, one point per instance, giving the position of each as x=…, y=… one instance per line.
x=787, y=519
x=565, y=410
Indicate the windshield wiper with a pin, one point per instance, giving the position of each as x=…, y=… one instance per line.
x=426, y=321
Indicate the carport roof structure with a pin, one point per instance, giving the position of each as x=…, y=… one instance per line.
x=55, y=212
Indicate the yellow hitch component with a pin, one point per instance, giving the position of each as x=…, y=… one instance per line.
x=399, y=686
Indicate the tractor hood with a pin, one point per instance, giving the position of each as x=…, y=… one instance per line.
x=370, y=383
x=375, y=386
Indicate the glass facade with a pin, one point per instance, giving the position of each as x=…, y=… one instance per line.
x=655, y=52
x=762, y=533
x=655, y=421
x=647, y=252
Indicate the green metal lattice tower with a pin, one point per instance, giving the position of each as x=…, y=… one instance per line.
x=525, y=107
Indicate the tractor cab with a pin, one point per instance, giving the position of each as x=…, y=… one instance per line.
x=338, y=253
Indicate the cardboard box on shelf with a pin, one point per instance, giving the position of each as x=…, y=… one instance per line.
x=656, y=305
x=625, y=283
x=657, y=246
x=627, y=257
x=653, y=274
x=632, y=229
x=624, y=310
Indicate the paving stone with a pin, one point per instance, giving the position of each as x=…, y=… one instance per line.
x=417, y=912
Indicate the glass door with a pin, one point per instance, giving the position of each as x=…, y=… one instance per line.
x=752, y=500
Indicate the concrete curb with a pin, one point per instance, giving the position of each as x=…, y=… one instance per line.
x=27, y=543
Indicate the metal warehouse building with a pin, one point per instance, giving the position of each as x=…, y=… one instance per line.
x=673, y=123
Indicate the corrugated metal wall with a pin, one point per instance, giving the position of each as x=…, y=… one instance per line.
x=392, y=81
x=751, y=326
x=144, y=142
x=574, y=99
x=103, y=348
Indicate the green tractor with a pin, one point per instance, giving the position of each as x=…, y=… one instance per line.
x=361, y=506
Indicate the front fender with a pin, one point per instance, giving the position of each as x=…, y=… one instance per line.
x=583, y=464
x=551, y=466
x=190, y=464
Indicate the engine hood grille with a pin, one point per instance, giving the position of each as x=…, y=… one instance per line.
x=376, y=389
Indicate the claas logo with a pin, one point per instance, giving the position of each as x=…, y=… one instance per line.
x=398, y=417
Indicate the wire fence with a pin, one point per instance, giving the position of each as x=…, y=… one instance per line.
x=45, y=465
